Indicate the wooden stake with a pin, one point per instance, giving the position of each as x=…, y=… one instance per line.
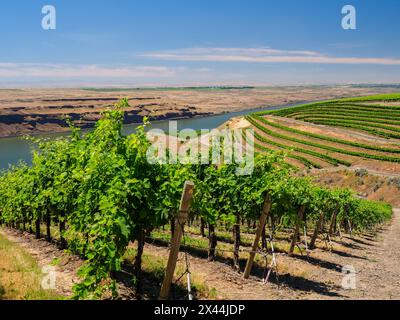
x=63, y=241
x=297, y=229
x=48, y=226
x=212, y=242
x=202, y=227
x=340, y=231
x=318, y=226
x=138, y=264
x=176, y=240
x=37, y=228
x=263, y=219
x=350, y=229
x=236, y=244
x=333, y=222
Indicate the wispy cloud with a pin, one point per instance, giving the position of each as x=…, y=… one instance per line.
x=263, y=55
x=35, y=70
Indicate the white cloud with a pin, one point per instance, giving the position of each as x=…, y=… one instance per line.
x=262, y=55
x=35, y=70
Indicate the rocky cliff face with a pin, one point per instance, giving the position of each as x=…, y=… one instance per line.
x=32, y=111
x=41, y=115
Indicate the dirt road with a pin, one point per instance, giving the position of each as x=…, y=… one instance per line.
x=380, y=277
x=374, y=257
x=378, y=173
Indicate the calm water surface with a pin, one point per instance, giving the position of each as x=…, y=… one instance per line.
x=13, y=150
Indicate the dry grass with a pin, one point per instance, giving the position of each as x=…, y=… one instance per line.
x=370, y=186
x=20, y=276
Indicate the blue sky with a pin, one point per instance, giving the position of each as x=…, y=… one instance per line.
x=198, y=42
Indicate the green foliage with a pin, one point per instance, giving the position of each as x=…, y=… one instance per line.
x=103, y=187
x=344, y=116
x=379, y=120
x=367, y=127
x=258, y=121
x=308, y=163
x=325, y=157
x=332, y=139
x=253, y=120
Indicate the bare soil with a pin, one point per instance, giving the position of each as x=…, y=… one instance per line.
x=380, y=103
x=340, y=133
x=291, y=144
x=374, y=256
x=32, y=111
x=384, y=167
x=373, y=185
x=380, y=277
x=47, y=254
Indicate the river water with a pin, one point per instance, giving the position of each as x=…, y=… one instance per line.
x=13, y=150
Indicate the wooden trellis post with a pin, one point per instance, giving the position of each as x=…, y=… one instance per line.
x=297, y=229
x=37, y=228
x=333, y=221
x=187, y=196
x=318, y=227
x=263, y=219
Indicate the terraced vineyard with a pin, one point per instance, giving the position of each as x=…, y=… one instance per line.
x=98, y=193
x=332, y=133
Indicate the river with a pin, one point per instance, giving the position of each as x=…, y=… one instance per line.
x=13, y=150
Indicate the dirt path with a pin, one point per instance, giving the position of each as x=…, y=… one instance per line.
x=47, y=254
x=375, y=258
x=355, y=168
x=380, y=277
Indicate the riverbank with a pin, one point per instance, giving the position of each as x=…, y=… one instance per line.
x=43, y=111
x=15, y=149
